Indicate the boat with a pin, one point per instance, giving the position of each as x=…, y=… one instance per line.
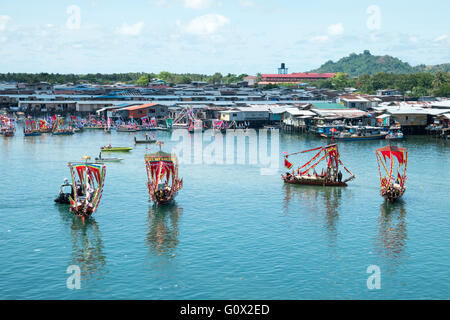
x=359, y=134
x=330, y=175
x=146, y=140
x=196, y=125
x=108, y=126
x=351, y=133
x=394, y=133
x=109, y=148
x=31, y=129
x=127, y=128
x=87, y=180
x=392, y=162
x=60, y=129
x=64, y=194
x=7, y=126
x=162, y=174
x=100, y=159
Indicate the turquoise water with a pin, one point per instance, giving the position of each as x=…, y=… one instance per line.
x=232, y=233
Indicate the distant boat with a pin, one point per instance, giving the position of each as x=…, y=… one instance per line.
x=147, y=140
x=358, y=134
x=101, y=160
x=115, y=149
x=394, y=133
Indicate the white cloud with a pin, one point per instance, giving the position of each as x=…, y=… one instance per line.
x=318, y=39
x=207, y=24
x=441, y=38
x=4, y=21
x=336, y=29
x=413, y=39
x=130, y=30
x=197, y=4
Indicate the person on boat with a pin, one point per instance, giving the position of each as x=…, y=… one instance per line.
x=80, y=191
x=100, y=156
x=66, y=184
x=288, y=176
x=339, y=176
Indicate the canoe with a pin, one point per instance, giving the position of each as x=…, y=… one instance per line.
x=144, y=141
x=115, y=149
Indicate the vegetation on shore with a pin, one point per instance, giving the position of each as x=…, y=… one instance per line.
x=137, y=78
x=414, y=85
x=366, y=63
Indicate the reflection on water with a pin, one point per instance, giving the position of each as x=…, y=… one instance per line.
x=316, y=200
x=392, y=233
x=87, y=245
x=162, y=236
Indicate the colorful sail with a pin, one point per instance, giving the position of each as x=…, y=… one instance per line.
x=88, y=181
x=392, y=162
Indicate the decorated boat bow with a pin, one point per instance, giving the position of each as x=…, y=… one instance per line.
x=88, y=180
x=162, y=173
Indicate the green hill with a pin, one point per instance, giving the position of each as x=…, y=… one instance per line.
x=366, y=63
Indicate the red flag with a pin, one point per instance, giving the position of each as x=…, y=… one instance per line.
x=287, y=164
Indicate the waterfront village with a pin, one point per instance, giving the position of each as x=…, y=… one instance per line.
x=297, y=107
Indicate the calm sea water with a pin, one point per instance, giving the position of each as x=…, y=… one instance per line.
x=232, y=233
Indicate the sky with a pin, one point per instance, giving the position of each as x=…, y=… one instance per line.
x=208, y=36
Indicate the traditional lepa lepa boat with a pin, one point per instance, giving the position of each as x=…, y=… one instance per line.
x=394, y=161
x=162, y=173
x=87, y=180
x=31, y=129
x=307, y=175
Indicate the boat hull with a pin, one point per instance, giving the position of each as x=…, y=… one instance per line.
x=32, y=134
x=391, y=195
x=64, y=133
x=116, y=149
x=108, y=160
x=314, y=182
x=374, y=137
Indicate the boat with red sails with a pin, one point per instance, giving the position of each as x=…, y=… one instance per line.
x=392, y=163
x=330, y=175
x=87, y=180
x=31, y=129
x=162, y=173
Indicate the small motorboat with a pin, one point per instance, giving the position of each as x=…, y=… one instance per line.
x=65, y=193
x=101, y=160
x=115, y=149
x=146, y=140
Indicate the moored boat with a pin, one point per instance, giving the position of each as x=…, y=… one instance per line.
x=146, y=140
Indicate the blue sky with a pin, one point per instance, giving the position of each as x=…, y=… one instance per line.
x=207, y=36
